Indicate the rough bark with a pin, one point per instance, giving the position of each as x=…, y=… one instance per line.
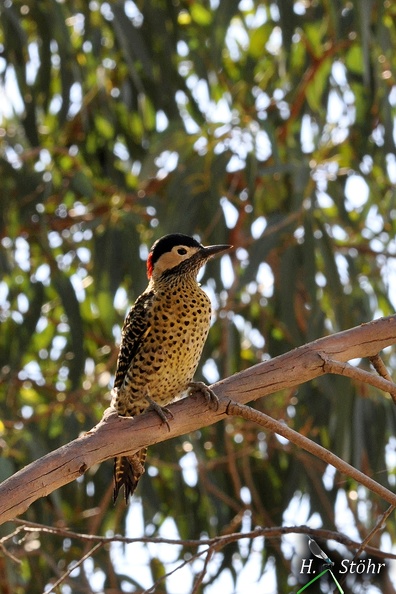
x=115, y=435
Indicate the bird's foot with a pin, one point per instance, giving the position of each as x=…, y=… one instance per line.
x=162, y=411
x=210, y=396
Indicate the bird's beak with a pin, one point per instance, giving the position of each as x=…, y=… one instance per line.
x=212, y=250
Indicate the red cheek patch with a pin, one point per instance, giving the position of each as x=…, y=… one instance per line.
x=150, y=266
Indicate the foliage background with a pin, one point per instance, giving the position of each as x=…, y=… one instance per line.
x=268, y=125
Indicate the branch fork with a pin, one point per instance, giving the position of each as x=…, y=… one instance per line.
x=115, y=435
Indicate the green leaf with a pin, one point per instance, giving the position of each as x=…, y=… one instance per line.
x=258, y=40
x=200, y=14
x=104, y=127
x=354, y=59
x=72, y=309
x=316, y=88
x=82, y=184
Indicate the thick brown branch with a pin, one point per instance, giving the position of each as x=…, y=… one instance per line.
x=115, y=435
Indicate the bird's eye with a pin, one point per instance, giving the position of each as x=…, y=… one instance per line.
x=182, y=251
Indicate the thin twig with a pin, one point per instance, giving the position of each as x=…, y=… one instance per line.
x=73, y=567
x=380, y=367
x=222, y=540
x=14, y=532
x=380, y=525
x=216, y=543
x=202, y=573
x=7, y=553
x=188, y=561
x=315, y=449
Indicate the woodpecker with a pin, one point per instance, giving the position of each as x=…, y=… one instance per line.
x=162, y=340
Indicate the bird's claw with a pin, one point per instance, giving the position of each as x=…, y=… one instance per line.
x=162, y=411
x=211, y=398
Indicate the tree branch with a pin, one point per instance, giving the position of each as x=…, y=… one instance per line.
x=362, y=375
x=218, y=541
x=116, y=435
x=251, y=414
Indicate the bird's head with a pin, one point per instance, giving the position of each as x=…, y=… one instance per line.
x=179, y=254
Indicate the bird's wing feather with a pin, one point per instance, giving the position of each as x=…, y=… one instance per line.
x=136, y=325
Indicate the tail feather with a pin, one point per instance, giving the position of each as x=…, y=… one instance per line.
x=128, y=471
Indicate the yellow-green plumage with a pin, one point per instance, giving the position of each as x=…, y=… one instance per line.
x=162, y=339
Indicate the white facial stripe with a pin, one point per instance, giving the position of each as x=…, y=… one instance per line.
x=173, y=258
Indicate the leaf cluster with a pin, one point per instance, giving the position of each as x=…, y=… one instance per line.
x=268, y=125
